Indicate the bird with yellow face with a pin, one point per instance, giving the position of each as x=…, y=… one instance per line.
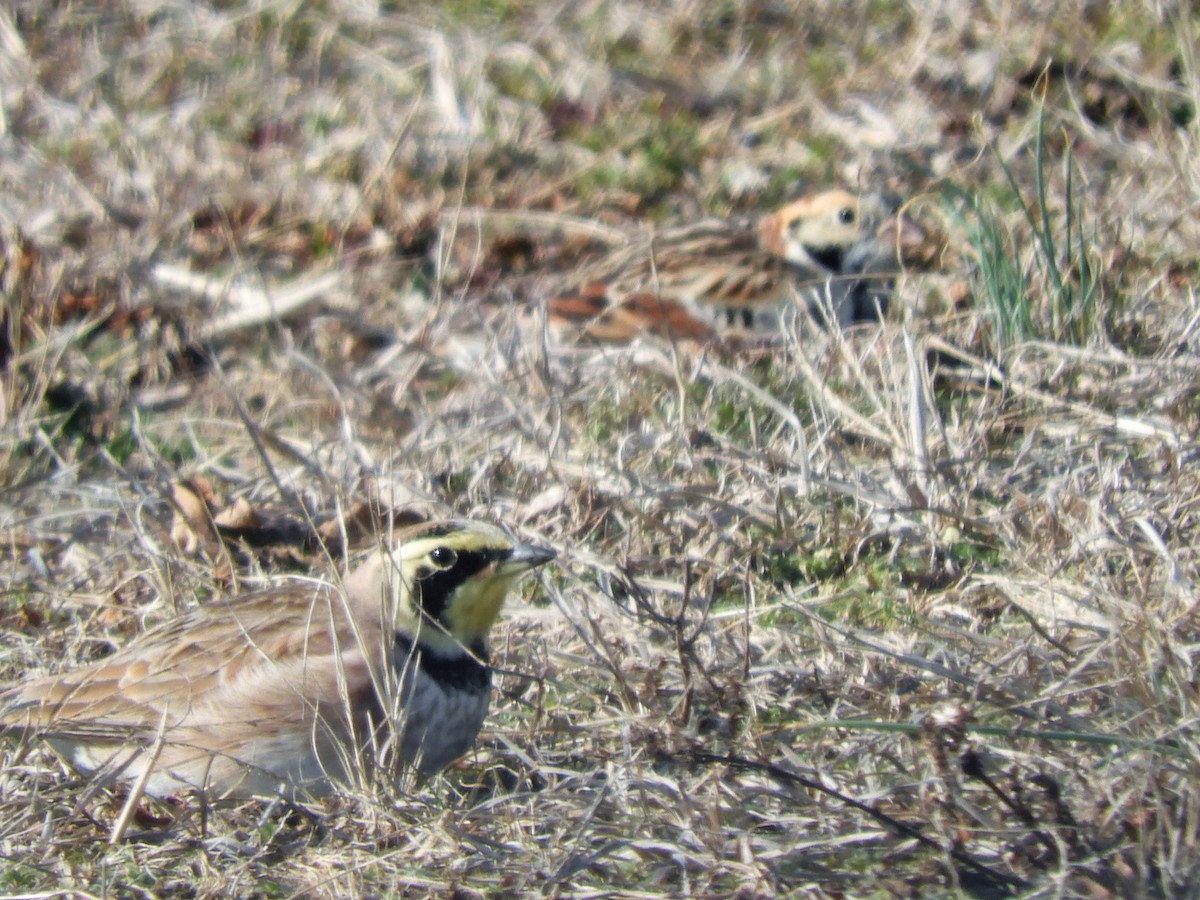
x=289, y=689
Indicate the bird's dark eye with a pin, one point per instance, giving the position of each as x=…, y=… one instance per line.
x=846, y=215
x=443, y=557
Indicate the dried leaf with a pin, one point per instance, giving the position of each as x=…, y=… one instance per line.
x=192, y=526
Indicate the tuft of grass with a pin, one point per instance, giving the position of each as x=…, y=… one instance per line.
x=1001, y=279
x=1046, y=282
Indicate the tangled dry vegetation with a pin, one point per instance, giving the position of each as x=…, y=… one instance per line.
x=907, y=611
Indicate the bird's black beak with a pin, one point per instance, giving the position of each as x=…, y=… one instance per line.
x=524, y=557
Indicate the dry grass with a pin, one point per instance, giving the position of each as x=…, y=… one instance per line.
x=906, y=612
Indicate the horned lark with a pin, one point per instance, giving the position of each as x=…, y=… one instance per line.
x=294, y=687
x=835, y=250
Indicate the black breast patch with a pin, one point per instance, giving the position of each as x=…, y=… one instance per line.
x=468, y=671
x=830, y=257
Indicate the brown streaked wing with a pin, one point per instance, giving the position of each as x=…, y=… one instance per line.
x=175, y=667
x=671, y=255
x=648, y=286
x=646, y=314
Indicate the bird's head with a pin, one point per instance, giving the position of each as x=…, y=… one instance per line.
x=444, y=582
x=838, y=233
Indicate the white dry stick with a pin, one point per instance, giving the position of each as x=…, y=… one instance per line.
x=457, y=120
x=121, y=824
x=541, y=220
x=918, y=414
x=247, y=307
x=1177, y=578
